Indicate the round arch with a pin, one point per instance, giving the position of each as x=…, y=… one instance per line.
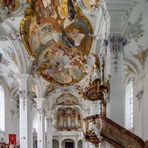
x=130, y=76
x=135, y=66
x=57, y=92
x=8, y=28
x=146, y=65
x=55, y=143
x=80, y=144
x=68, y=143
x=134, y=63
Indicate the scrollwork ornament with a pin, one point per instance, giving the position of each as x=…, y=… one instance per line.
x=4, y=14
x=134, y=31
x=98, y=130
x=92, y=130
x=117, y=43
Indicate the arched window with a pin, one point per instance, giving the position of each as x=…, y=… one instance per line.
x=2, y=109
x=129, y=121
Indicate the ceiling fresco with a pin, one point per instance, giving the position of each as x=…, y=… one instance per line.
x=58, y=36
x=67, y=99
x=11, y=5
x=8, y=8
x=91, y=5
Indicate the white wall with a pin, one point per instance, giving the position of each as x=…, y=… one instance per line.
x=141, y=106
x=138, y=88
x=145, y=108
x=11, y=122
x=116, y=104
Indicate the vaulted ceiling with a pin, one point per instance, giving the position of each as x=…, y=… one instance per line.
x=70, y=61
x=127, y=17
x=119, y=11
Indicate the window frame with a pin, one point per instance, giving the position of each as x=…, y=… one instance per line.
x=129, y=106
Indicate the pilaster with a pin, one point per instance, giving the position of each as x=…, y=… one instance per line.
x=24, y=109
x=117, y=102
x=49, y=129
x=41, y=122
x=60, y=143
x=76, y=143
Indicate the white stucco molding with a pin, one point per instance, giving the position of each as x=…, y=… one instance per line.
x=19, y=49
x=134, y=63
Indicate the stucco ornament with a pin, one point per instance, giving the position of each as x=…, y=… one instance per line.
x=8, y=8
x=134, y=31
x=58, y=36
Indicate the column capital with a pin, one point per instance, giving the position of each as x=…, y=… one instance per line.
x=19, y=76
x=22, y=80
x=40, y=102
x=117, y=42
x=48, y=114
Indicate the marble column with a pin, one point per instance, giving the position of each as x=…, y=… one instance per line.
x=85, y=144
x=24, y=111
x=49, y=129
x=76, y=143
x=60, y=144
x=41, y=122
x=103, y=144
x=30, y=123
x=117, y=103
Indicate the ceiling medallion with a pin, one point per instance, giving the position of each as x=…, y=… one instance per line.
x=58, y=36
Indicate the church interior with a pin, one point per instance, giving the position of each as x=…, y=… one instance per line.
x=73, y=74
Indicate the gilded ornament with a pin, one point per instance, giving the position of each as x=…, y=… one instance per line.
x=57, y=31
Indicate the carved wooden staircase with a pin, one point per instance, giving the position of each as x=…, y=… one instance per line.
x=98, y=128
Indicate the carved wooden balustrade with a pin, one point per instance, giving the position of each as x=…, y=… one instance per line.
x=98, y=128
